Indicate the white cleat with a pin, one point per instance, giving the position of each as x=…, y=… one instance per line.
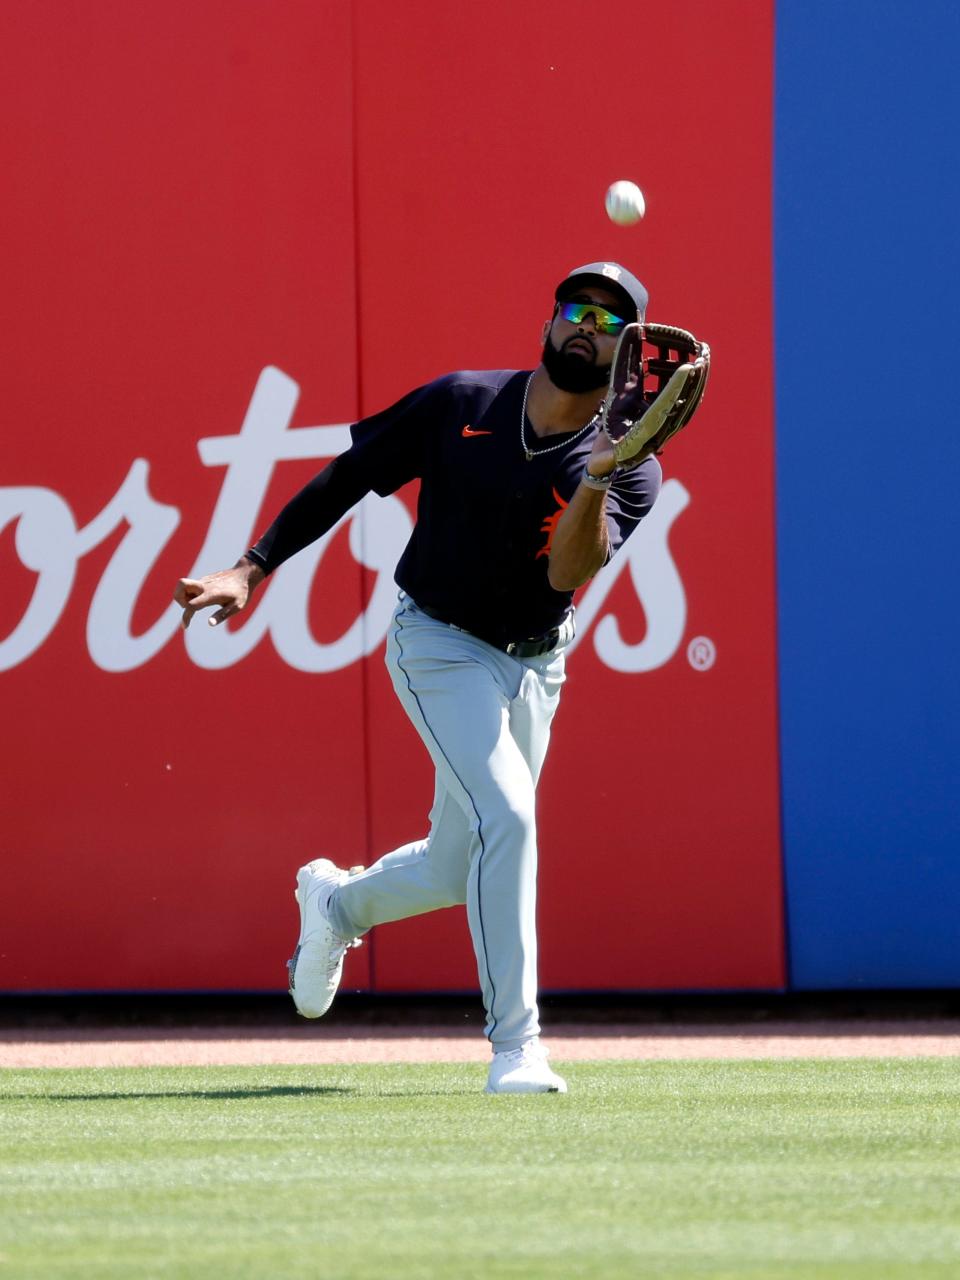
x=523, y=1070
x=316, y=965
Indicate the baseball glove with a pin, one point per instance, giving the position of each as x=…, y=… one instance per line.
x=637, y=418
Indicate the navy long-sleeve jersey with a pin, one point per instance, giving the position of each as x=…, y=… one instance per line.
x=486, y=514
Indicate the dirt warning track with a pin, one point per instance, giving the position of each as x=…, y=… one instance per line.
x=251, y=1046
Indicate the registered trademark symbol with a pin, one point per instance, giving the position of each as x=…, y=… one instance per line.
x=701, y=653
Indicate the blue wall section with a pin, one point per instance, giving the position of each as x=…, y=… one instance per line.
x=868, y=467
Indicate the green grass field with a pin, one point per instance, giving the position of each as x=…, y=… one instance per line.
x=658, y=1169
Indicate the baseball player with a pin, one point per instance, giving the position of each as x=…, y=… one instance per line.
x=521, y=501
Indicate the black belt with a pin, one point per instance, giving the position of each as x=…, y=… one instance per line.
x=532, y=647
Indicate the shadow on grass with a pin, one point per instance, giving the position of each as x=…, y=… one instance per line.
x=264, y=1091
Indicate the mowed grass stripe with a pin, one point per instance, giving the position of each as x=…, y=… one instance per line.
x=821, y=1168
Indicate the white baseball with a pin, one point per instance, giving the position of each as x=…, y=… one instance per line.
x=624, y=203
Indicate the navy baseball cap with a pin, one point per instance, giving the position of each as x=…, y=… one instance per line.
x=613, y=277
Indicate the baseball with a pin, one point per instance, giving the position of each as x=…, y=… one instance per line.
x=624, y=203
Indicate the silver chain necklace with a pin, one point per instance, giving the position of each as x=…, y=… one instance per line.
x=528, y=452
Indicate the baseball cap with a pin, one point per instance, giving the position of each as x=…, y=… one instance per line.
x=610, y=275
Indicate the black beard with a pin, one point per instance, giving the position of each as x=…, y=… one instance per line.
x=572, y=373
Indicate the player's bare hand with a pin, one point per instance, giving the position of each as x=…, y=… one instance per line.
x=230, y=589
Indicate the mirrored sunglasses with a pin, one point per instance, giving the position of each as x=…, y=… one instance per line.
x=604, y=321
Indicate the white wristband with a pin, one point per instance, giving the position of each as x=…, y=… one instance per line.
x=602, y=483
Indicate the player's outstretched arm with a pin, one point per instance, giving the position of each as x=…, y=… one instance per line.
x=306, y=517
x=231, y=589
x=581, y=542
x=580, y=546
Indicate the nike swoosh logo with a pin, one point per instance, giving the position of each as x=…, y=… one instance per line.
x=467, y=432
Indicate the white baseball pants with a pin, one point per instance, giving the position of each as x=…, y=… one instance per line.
x=484, y=717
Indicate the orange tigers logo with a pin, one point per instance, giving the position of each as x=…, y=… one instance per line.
x=549, y=526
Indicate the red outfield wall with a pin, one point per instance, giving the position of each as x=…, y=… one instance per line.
x=231, y=231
